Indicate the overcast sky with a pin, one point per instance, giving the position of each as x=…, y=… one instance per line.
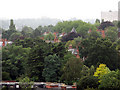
x=60, y=9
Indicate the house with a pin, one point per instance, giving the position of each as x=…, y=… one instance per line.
x=45, y=33
x=63, y=34
x=70, y=36
x=74, y=51
x=4, y=42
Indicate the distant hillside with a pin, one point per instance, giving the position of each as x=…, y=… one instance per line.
x=34, y=23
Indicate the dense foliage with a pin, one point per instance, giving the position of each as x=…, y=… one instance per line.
x=34, y=56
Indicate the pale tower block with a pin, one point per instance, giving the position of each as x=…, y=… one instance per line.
x=119, y=18
x=119, y=11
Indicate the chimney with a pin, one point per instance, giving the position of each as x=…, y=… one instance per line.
x=103, y=33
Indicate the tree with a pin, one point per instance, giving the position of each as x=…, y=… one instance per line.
x=28, y=42
x=102, y=20
x=70, y=42
x=91, y=70
x=86, y=71
x=14, y=60
x=104, y=25
x=87, y=81
x=59, y=49
x=115, y=22
x=37, y=32
x=62, y=27
x=111, y=33
x=48, y=28
x=50, y=37
x=27, y=31
x=110, y=81
x=12, y=25
x=101, y=51
x=74, y=42
x=72, y=70
x=97, y=21
x=51, y=69
x=25, y=83
x=84, y=47
x=101, y=70
x=37, y=56
x=15, y=36
x=94, y=34
x=35, y=61
x=118, y=49
x=67, y=56
x=10, y=31
x=7, y=34
x=78, y=40
x=81, y=27
x=83, y=30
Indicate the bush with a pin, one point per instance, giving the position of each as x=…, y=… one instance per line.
x=87, y=81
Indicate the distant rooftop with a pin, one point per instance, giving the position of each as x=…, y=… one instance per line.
x=73, y=30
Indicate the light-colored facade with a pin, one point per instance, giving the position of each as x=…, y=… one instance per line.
x=119, y=10
x=109, y=16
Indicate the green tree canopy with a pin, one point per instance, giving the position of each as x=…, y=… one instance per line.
x=101, y=51
x=80, y=26
x=110, y=81
x=50, y=37
x=72, y=70
x=37, y=32
x=14, y=59
x=51, y=68
x=111, y=33
x=97, y=21
x=15, y=36
x=27, y=31
x=94, y=34
x=87, y=81
x=35, y=61
x=101, y=70
x=12, y=25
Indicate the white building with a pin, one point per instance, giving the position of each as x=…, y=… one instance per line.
x=119, y=10
x=109, y=16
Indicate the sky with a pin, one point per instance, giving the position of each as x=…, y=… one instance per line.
x=58, y=9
